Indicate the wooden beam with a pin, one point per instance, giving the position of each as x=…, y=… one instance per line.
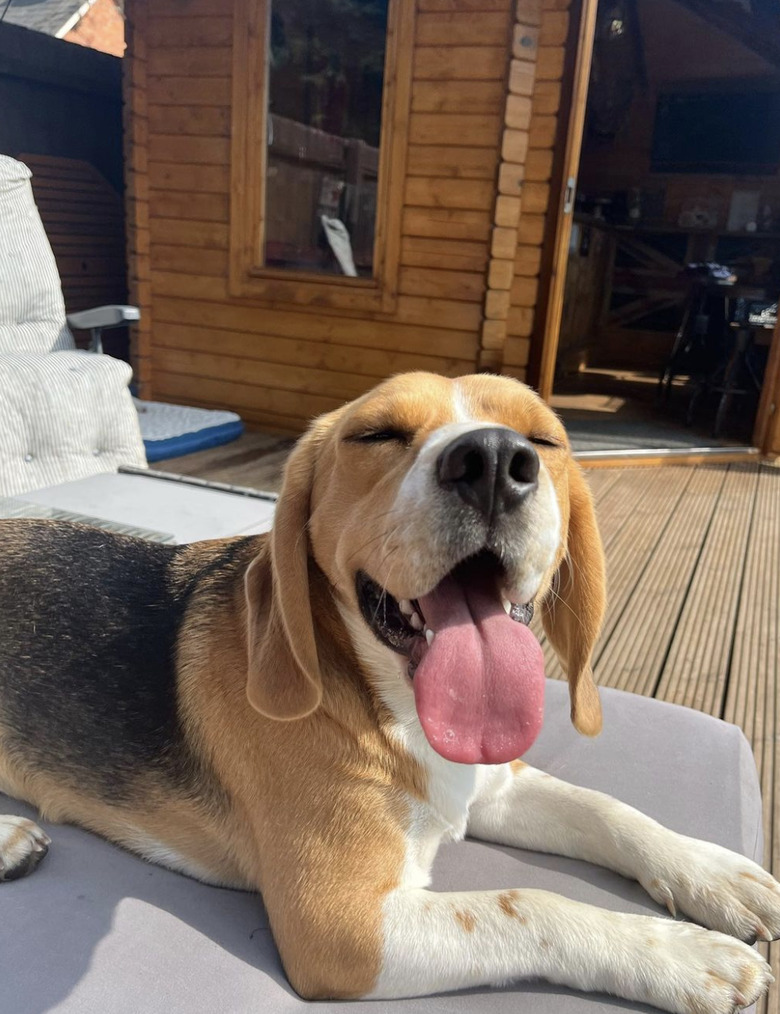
x=550, y=310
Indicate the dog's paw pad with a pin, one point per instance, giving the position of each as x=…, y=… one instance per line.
x=22, y=846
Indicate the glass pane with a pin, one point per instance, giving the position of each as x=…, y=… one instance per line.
x=326, y=68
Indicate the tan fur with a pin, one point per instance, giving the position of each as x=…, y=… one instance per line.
x=573, y=615
x=326, y=789
x=507, y=903
x=466, y=920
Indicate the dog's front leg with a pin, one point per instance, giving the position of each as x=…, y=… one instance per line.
x=435, y=942
x=724, y=891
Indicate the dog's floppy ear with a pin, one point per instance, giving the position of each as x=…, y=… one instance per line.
x=284, y=679
x=573, y=611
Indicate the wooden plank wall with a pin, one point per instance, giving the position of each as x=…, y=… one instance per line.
x=278, y=366
x=84, y=221
x=136, y=157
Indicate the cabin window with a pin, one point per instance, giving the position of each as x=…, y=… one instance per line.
x=325, y=74
x=321, y=89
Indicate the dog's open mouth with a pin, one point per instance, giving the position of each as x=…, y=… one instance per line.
x=478, y=671
x=401, y=625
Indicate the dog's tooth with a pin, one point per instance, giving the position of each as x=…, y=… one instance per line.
x=416, y=621
x=406, y=607
x=429, y=635
x=507, y=605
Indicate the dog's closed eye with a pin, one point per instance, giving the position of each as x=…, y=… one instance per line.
x=544, y=440
x=381, y=436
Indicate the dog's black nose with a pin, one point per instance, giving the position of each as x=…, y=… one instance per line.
x=491, y=469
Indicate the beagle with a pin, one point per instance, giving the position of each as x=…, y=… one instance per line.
x=310, y=713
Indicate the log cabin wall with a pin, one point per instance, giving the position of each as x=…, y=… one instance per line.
x=84, y=221
x=136, y=159
x=280, y=365
x=538, y=203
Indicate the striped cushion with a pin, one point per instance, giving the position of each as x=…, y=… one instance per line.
x=32, y=311
x=64, y=416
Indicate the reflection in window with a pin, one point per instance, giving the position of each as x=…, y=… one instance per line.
x=326, y=65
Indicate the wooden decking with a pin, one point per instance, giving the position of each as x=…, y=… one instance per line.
x=693, y=557
x=255, y=460
x=693, y=560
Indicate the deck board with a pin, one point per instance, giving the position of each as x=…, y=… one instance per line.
x=696, y=668
x=693, y=564
x=751, y=699
x=631, y=518
x=635, y=650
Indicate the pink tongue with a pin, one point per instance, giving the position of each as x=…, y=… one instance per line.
x=479, y=688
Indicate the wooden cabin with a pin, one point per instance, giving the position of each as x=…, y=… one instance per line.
x=407, y=206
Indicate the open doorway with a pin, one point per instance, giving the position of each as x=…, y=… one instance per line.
x=673, y=266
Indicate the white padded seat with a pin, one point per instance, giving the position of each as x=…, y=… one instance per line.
x=65, y=415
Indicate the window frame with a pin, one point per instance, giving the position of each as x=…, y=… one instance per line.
x=249, y=277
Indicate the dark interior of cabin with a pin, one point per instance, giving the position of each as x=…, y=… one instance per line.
x=674, y=262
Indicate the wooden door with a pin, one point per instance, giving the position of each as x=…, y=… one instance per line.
x=551, y=301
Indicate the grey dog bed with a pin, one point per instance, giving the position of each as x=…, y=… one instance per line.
x=95, y=930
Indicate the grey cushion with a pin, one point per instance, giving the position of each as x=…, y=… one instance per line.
x=96, y=930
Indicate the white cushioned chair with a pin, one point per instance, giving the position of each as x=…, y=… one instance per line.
x=64, y=414
x=97, y=930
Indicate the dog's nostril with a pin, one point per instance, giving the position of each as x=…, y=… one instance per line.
x=524, y=466
x=473, y=466
x=461, y=464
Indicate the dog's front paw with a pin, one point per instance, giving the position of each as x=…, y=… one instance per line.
x=22, y=846
x=715, y=887
x=690, y=970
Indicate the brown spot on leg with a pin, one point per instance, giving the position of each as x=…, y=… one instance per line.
x=506, y=902
x=466, y=920
x=516, y=766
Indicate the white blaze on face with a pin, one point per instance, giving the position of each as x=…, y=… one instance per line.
x=420, y=481
x=461, y=411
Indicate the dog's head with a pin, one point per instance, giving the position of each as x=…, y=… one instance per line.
x=441, y=512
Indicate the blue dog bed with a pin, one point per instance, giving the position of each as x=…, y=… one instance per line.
x=169, y=431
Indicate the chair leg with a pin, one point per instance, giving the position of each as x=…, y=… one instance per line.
x=730, y=378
